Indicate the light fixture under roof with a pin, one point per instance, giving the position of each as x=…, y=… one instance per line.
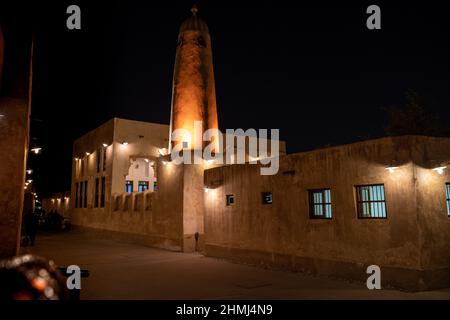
x=36, y=150
x=125, y=143
x=88, y=153
x=440, y=170
x=105, y=145
x=391, y=169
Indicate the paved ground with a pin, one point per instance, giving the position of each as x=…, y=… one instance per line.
x=126, y=271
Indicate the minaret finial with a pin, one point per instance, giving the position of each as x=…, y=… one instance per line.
x=194, y=10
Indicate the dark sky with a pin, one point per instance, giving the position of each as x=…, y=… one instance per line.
x=312, y=70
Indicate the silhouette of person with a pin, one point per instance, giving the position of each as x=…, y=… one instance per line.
x=31, y=226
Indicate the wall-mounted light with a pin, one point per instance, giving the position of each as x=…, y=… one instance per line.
x=440, y=170
x=125, y=143
x=146, y=160
x=162, y=151
x=206, y=189
x=36, y=150
x=30, y=181
x=66, y=198
x=25, y=188
x=76, y=159
x=105, y=145
x=27, y=183
x=88, y=153
x=391, y=169
x=29, y=171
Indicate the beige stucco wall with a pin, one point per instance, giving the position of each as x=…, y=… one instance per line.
x=152, y=218
x=431, y=207
x=284, y=228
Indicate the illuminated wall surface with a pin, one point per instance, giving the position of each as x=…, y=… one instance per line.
x=397, y=219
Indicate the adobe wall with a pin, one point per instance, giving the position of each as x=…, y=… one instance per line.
x=149, y=218
x=282, y=234
x=432, y=213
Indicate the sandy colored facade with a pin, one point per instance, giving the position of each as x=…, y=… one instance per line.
x=411, y=244
x=167, y=215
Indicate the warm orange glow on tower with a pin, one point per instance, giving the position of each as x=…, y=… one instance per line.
x=193, y=93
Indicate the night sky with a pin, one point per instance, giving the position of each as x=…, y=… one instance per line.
x=312, y=70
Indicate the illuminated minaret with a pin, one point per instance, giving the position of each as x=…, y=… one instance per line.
x=193, y=91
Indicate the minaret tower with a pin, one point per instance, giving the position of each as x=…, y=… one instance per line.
x=193, y=90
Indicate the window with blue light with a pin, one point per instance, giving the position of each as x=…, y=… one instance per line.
x=371, y=201
x=320, y=204
x=129, y=186
x=143, y=186
x=447, y=192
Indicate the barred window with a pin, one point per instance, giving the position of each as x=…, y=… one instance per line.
x=371, y=202
x=447, y=191
x=97, y=181
x=320, y=204
x=102, y=195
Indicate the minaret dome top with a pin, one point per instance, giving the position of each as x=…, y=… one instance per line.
x=194, y=23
